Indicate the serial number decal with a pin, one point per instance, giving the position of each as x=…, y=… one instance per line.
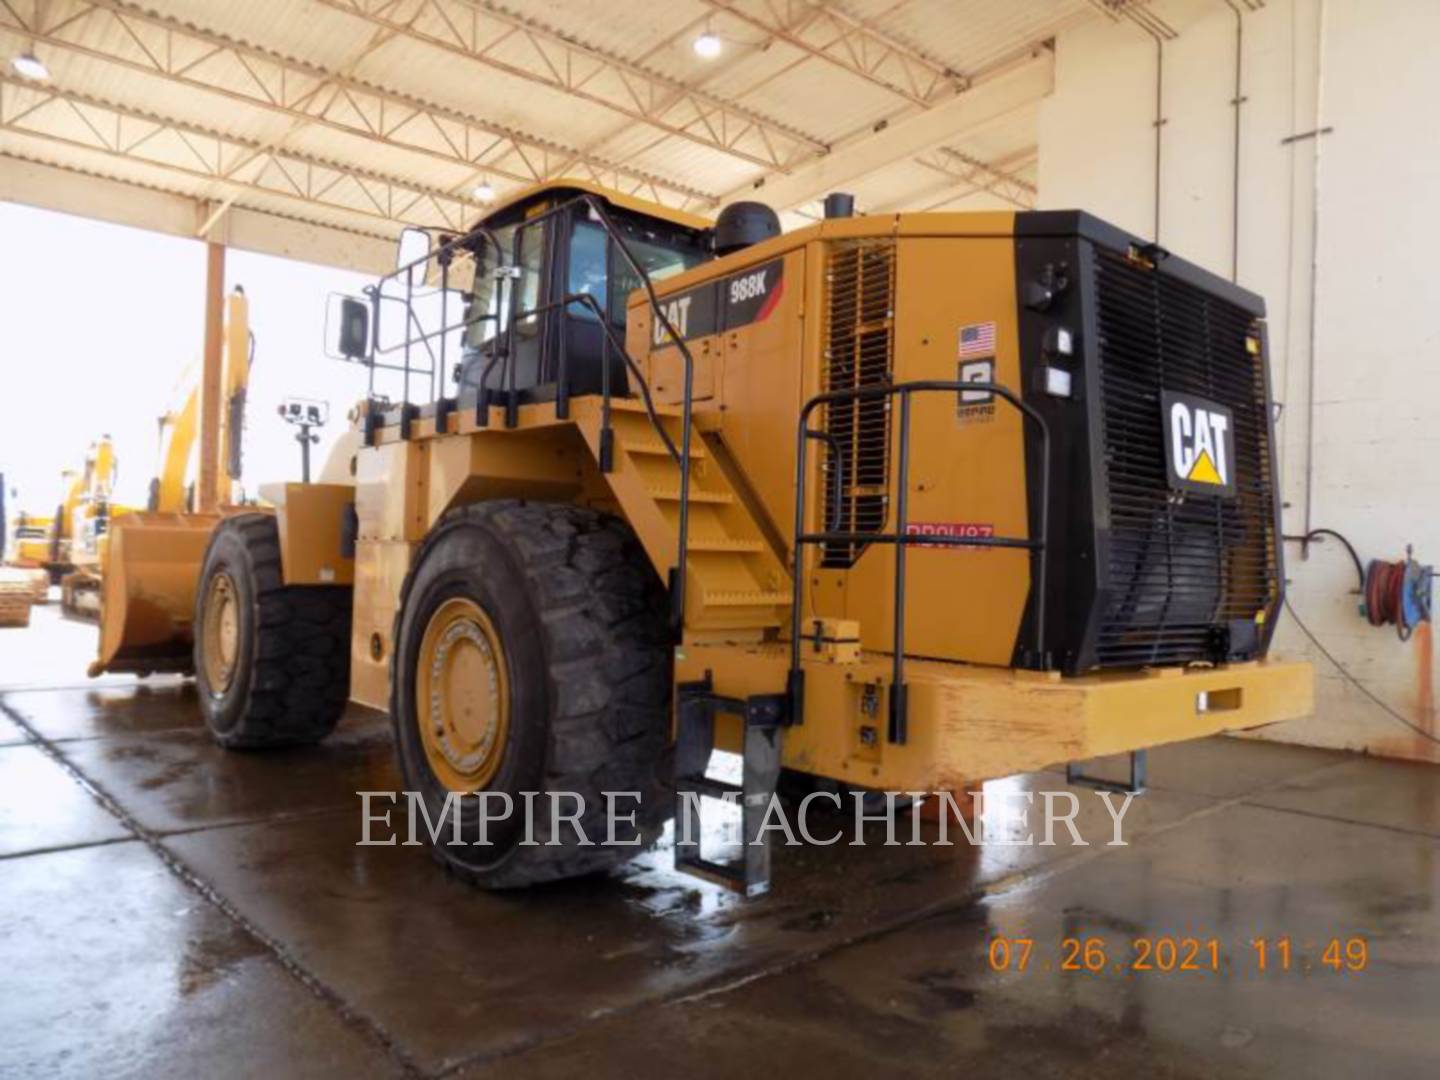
x=957, y=529
x=1180, y=954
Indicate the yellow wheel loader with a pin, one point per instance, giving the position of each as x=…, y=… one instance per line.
x=900, y=501
x=172, y=494
x=145, y=568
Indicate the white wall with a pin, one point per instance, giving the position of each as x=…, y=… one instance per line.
x=1366, y=68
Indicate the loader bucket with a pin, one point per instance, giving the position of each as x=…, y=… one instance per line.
x=147, y=601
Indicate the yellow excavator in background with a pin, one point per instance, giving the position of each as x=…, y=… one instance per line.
x=80, y=586
x=171, y=492
x=57, y=543
x=29, y=545
x=152, y=552
x=86, y=518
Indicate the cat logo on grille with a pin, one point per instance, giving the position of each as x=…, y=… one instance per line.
x=1199, y=444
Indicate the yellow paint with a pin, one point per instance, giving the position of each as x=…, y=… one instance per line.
x=178, y=436
x=380, y=569
x=148, y=592
x=971, y=723
x=964, y=606
x=970, y=716
x=310, y=520
x=1204, y=471
x=629, y=202
x=151, y=561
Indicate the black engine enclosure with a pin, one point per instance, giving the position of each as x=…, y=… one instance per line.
x=1141, y=574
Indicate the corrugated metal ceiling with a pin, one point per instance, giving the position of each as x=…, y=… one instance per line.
x=367, y=114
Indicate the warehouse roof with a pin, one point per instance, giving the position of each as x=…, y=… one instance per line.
x=284, y=124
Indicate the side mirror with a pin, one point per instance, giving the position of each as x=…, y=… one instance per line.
x=414, y=245
x=354, y=343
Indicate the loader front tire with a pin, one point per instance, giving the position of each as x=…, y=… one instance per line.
x=532, y=656
x=272, y=662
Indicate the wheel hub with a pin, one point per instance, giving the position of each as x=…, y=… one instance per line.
x=220, y=634
x=462, y=695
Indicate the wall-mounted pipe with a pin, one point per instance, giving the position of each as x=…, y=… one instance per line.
x=1159, y=123
x=1314, y=264
x=1236, y=101
x=1160, y=32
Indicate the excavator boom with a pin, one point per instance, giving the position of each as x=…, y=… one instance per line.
x=152, y=560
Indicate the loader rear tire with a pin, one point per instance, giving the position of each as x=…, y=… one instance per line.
x=272, y=662
x=532, y=655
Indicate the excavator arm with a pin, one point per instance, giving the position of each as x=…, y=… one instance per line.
x=153, y=559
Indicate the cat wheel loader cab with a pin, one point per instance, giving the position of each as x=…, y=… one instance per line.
x=904, y=501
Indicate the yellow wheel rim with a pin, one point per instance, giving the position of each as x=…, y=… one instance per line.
x=462, y=696
x=220, y=634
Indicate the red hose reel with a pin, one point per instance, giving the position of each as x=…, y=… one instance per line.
x=1398, y=594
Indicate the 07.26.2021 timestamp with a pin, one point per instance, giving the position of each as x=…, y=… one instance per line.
x=1099, y=955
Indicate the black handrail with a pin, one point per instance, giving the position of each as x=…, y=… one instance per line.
x=611, y=341
x=677, y=583
x=444, y=255
x=900, y=538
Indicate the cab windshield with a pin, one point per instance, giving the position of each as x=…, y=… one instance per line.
x=595, y=262
x=594, y=268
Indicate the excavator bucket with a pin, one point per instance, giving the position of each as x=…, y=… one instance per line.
x=147, y=603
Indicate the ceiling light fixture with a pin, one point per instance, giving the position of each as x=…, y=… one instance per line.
x=707, y=46
x=30, y=66
x=483, y=191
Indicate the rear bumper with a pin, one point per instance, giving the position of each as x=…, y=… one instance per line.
x=971, y=723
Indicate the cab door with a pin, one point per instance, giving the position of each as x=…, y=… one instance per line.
x=532, y=328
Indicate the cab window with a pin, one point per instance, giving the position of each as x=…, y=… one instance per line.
x=660, y=258
x=587, y=268
x=485, y=316
x=533, y=243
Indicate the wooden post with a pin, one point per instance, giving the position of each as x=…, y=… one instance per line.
x=208, y=497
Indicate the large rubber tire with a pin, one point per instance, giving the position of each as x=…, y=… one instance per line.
x=290, y=677
x=580, y=617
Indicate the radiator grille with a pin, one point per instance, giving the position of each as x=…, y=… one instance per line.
x=1182, y=568
x=859, y=349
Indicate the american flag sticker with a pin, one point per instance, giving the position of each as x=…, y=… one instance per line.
x=977, y=339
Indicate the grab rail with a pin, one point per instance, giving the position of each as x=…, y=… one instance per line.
x=444, y=254
x=900, y=537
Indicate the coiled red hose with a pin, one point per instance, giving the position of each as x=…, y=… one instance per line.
x=1385, y=595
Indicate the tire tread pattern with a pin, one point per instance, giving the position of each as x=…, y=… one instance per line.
x=300, y=682
x=603, y=612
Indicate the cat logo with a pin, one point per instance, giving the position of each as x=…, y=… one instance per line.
x=1199, y=444
x=678, y=312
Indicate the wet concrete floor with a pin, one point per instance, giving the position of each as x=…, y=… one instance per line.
x=170, y=909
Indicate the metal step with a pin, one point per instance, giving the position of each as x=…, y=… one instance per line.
x=746, y=599
x=669, y=494
x=765, y=716
x=656, y=448
x=725, y=543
